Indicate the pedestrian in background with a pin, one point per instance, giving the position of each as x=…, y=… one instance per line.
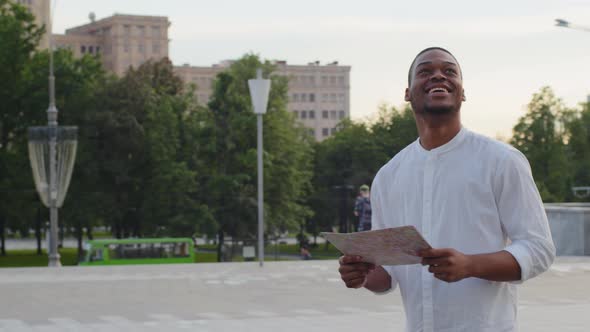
x=362, y=209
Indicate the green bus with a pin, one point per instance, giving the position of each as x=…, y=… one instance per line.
x=139, y=251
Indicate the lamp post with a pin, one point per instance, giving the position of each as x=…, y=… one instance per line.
x=259, y=90
x=52, y=152
x=566, y=24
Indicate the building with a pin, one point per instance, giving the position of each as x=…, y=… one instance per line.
x=122, y=41
x=319, y=95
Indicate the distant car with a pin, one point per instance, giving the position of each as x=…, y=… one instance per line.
x=139, y=251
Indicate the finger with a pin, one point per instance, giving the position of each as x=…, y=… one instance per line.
x=364, y=267
x=355, y=283
x=353, y=275
x=434, y=253
x=435, y=261
x=439, y=269
x=348, y=259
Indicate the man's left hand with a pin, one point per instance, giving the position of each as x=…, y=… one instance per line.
x=447, y=264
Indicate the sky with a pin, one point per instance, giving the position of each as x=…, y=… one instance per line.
x=508, y=50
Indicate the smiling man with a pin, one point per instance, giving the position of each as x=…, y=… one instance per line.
x=472, y=198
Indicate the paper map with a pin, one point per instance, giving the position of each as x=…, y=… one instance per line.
x=390, y=246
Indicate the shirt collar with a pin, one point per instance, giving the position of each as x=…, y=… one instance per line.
x=453, y=143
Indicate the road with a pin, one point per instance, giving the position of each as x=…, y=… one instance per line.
x=281, y=296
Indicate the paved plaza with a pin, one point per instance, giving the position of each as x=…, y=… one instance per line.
x=282, y=296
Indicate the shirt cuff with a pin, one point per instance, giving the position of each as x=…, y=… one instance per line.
x=521, y=253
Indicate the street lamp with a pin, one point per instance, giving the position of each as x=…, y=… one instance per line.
x=52, y=152
x=566, y=24
x=259, y=90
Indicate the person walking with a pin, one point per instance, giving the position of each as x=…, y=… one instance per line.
x=362, y=209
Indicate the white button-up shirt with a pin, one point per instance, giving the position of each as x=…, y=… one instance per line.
x=475, y=195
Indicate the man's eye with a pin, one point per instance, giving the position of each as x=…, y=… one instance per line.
x=423, y=71
x=451, y=71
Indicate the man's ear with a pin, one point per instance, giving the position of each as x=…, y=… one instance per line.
x=464, y=98
x=407, y=95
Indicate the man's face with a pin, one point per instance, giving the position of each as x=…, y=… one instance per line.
x=436, y=86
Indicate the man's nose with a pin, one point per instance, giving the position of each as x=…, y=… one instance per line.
x=438, y=76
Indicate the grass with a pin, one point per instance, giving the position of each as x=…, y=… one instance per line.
x=29, y=258
x=69, y=256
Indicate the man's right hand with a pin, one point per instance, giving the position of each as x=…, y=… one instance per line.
x=354, y=271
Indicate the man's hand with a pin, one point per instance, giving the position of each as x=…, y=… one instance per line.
x=447, y=264
x=354, y=271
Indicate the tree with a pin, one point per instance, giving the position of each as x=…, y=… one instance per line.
x=231, y=155
x=352, y=157
x=540, y=136
x=19, y=37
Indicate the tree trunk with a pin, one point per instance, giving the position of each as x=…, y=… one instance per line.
x=220, y=246
x=89, y=233
x=38, y=233
x=2, y=244
x=79, y=235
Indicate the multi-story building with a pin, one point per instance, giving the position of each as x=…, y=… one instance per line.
x=122, y=41
x=319, y=95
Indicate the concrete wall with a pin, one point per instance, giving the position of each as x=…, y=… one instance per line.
x=570, y=228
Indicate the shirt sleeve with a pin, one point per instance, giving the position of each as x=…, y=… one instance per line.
x=378, y=222
x=523, y=216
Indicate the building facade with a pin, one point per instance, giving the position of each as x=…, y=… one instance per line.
x=319, y=95
x=122, y=41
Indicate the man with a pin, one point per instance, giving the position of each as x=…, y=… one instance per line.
x=362, y=209
x=472, y=198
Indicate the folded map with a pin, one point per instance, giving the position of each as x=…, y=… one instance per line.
x=390, y=246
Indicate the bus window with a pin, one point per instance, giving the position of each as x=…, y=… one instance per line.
x=96, y=255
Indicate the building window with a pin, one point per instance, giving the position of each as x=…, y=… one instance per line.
x=333, y=97
x=325, y=97
x=126, y=30
x=312, y=97
x=303, y=97
x=126, y=47
x=332, y=80
x=332, y=131
x=155, y=31
x=324, y=80
x=340, y=80
x=324, y=114
x=83, y=49
x=156, y=48
x=312, y=114
x=296, y=114
x=341, y=97
x=141, y=48
x=90, y=49
x=311, y=132
x=341, y=115
x=97, y=49
x=325, y=132
x=304, y=114
x=140, y=30
x=333, y=115
x=295, y=97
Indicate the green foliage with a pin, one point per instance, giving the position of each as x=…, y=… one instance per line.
x=540, y=135
x=352, y=157
x=19, y=37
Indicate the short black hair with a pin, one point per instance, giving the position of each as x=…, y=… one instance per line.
x=426, y=50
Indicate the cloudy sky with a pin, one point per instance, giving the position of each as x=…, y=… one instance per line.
x=508, y=49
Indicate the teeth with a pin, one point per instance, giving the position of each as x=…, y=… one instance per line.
x=438, y=90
